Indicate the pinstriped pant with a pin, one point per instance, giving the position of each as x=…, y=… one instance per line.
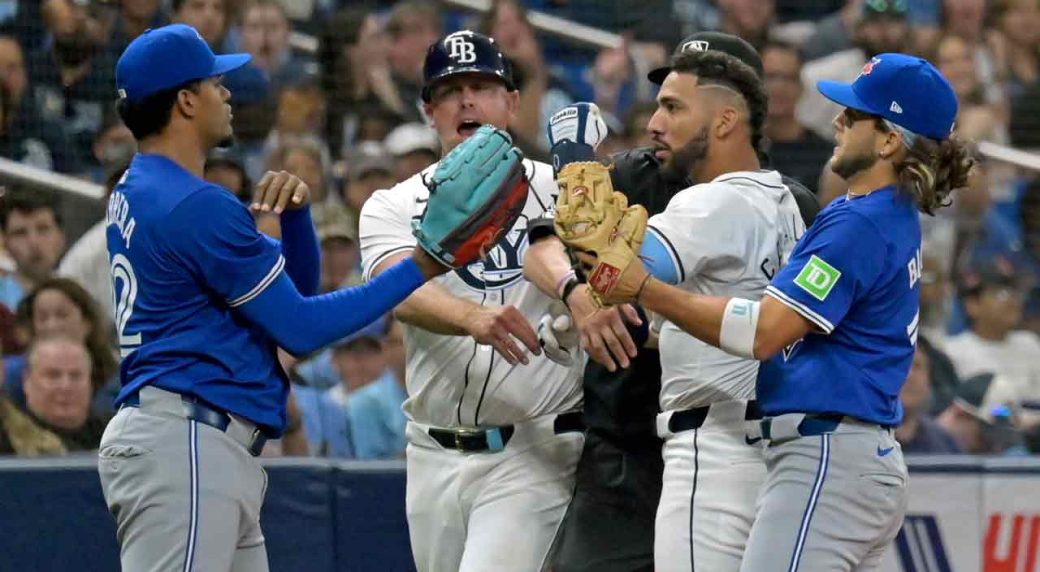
x=185, y=496
x=830, y=503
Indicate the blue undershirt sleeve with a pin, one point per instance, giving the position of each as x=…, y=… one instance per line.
x=302, y=325
x=301, y=250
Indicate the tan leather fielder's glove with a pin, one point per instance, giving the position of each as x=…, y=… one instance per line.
x=595, y=221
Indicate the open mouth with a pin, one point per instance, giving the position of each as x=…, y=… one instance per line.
x=468, y=127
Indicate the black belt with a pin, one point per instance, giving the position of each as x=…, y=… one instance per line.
x=693, y=418
x=495, y=438
x=208, y=415
x=814, y=424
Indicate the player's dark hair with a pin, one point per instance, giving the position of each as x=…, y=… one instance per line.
x=933, y=169
x=26, y=201
x=103, y=360
x=720, y=68
x=152, y=114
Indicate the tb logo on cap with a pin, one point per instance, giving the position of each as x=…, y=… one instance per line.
x=461, y=49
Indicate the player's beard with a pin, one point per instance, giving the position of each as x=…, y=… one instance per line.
x=685, y=158
x=226, y=143
x=850, y=164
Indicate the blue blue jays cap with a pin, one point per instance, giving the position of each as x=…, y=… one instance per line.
x=166, y=57
x=906, y=90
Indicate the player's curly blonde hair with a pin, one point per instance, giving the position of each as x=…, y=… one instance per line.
x=933, y=169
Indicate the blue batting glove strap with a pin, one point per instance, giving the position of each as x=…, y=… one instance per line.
x=566, y=152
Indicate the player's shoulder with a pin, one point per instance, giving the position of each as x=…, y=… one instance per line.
x=540, y=175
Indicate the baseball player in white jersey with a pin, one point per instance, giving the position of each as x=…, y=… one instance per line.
x=494, y=433
x=727, y=235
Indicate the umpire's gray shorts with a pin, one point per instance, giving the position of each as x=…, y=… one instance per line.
x=185, y=496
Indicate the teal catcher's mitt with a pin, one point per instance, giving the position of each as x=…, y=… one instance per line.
x=477, y=193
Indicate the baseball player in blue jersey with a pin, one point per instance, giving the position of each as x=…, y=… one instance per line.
x=837, y=326
x=202, y=300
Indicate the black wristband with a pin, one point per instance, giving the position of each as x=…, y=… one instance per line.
x=569, y=287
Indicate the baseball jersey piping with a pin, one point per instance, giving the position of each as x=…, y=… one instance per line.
x=693, y=496
x=802, y=309
x=753, y=180
x=367, y=273
x=491, y=366
x=193, y=476
x=465, y=381
x=810, y=506
x=262, y=285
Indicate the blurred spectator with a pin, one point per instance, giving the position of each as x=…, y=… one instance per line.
x=72, y=81
x=34, y=238
x=636, y=134
x=368, y=170
x=919, y=433
x=61, y=307
x=355, y=74
x=414, y=146
x=24, y=137
x=253, y=116
x=265, y=34
x=300, y=116
x=748, y=19
x=653, y=21
x=86, y=262
x=967, y=19
x=977, y=118
x=882, y=28
x=303, y=157
x=135, y=16
x=351, y=420
x=793, y=150
x=992, y=297
x=1029, y=213
x=978, y=423
x=541, y=95
x=1016, y=43
x=834, y=33
x=57, y=417
x=209, y=17
x=225, y=169
x=340, y=255
x=114, y=146
x=413, y=26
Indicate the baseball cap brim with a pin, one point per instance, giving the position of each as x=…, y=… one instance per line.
x=657, y=75
x=843, y=94
x=229, y=62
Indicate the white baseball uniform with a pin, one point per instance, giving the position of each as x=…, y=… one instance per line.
x=723, y=238
x=479, y=511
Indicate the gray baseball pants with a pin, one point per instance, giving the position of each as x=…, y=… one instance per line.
x=185, y=496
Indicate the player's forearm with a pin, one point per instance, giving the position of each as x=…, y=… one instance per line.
x=301, y=250
x=696, y=314
x=431, y=307
x=545, y=264
x=301, y=324
x=434, y=309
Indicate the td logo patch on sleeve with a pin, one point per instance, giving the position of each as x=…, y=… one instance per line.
x=817, y=278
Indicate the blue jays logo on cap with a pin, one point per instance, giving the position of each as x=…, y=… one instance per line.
x=906, y=90
x=167, y=57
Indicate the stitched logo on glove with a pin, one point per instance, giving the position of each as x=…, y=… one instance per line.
x=604, y=278
x=817, y=278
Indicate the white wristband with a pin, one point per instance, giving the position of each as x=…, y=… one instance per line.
x=739, y=322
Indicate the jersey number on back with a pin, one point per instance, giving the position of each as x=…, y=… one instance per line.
x=125, y=296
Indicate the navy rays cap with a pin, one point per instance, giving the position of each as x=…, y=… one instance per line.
x=164, y=58
x=906, y=90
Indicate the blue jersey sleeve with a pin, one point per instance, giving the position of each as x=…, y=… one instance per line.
x=837, y=261
x=216, y=238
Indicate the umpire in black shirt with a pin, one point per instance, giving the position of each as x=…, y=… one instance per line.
x=609, y=526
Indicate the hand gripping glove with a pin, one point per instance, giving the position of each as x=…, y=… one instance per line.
x=477, y=193
x=593, y=218
x=558, y=335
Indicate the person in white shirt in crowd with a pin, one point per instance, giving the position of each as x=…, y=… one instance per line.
x=414, y=146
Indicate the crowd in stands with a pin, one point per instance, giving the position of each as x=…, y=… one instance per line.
x=345, y=117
